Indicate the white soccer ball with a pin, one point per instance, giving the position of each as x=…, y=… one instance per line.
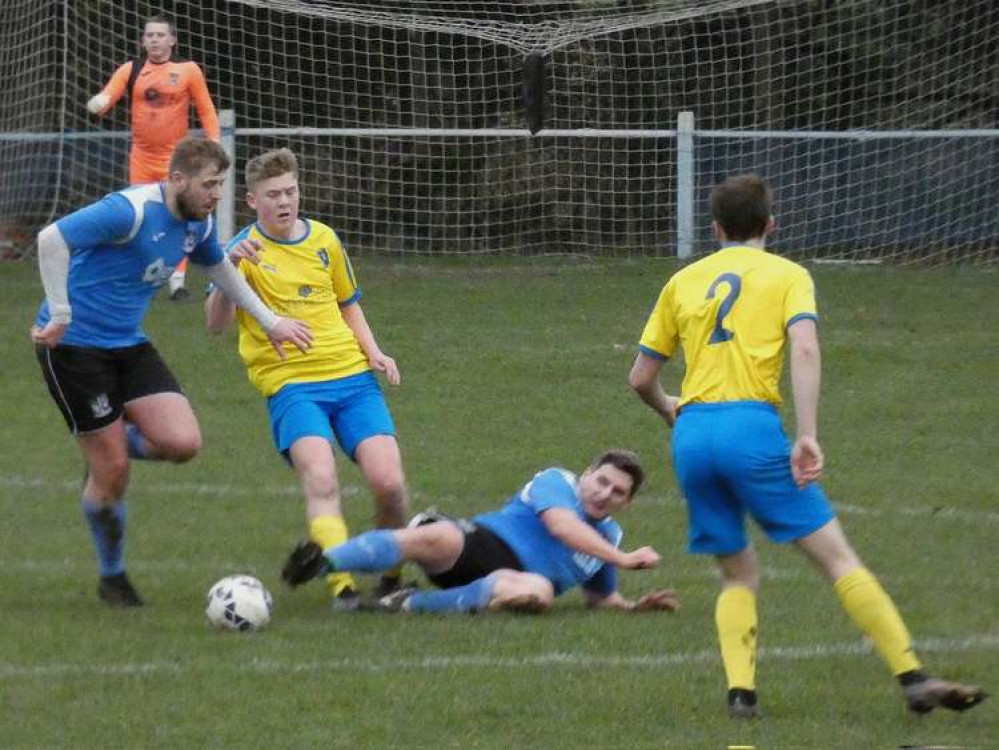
x=239, y=603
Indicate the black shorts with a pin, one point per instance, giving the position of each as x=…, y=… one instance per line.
x=483, y=553
x=91, y=386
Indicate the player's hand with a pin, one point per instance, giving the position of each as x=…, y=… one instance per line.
x=98, y=103
x=248, y=249
x=642, y=558
x=292, y=331
x=806, y=461
x=663, y=600
x=50, y=335
x=383, y=363
x=672, y=402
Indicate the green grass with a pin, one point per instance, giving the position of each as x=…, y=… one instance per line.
x=507, y=367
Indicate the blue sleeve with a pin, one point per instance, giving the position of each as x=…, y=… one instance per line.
x=105, y=222
x=604, y=581
x=207, y=252
x=551, y=488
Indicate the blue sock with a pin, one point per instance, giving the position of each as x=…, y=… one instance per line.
x=473, y=597
x=137, y=447
x=107, y=526
x=367, y=553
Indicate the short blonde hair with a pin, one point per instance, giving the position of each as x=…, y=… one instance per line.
x=270, y=164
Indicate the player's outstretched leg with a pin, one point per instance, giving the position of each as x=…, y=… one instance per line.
x=873, y=611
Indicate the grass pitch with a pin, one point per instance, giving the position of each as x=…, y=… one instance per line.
x=508, y=366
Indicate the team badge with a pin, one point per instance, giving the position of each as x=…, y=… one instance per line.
x=324, y=257
x=100, y=406
x=189, y=241
x=174, y=79
x=304, y=291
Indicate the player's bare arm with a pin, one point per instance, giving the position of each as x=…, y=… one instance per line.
x=353, y=316
x=644, y=380
x=807, y=460
x=567, y=527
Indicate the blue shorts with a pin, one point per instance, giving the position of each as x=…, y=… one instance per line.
x=734, y=458
x=350, y=409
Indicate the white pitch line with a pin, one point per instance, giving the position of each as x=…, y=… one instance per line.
x=568, y=660
x=924, y=512
x=177, y=488
x=71, y=486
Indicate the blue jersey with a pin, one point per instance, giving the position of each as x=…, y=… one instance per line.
x=122, y=250
x=519, y=524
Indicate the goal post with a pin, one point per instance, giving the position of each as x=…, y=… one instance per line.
x=437, y=127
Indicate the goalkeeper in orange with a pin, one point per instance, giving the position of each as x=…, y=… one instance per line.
x=161, y=88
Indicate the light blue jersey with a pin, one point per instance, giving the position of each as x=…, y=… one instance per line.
x=123, y=248
x=520, y=526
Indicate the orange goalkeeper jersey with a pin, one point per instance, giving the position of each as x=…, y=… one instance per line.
x=161, y=102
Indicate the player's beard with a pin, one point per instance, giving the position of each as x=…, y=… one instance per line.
x=188, y=209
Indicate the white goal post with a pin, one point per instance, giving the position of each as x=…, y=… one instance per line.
x=440, y=127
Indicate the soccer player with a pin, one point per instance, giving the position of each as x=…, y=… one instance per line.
x=331, y=392
x=161, y=88
x=734, y=311
x=554, y=534
x=101, y=267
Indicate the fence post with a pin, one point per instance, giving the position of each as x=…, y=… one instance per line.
x=227, y=206
x=685, y=184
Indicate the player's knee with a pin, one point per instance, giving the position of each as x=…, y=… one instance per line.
x=182, y=449
x=522, y=592
x=320, y=483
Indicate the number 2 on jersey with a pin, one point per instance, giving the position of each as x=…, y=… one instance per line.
x=720, y=334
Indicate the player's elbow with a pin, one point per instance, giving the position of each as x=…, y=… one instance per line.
x=639, y=381
x=806, y=350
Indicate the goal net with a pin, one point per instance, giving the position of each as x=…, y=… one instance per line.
x=535, y=126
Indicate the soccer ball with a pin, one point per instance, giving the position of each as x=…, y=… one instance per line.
x=239, y=603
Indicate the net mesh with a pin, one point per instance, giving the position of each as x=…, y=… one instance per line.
x=410, y=122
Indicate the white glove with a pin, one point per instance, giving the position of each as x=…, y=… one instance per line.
x=98, y=103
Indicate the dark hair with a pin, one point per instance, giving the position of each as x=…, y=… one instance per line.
x=194, y=153
x=626, y=461
x=741, y=206
x=161, y=18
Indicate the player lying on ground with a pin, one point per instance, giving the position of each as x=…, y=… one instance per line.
x=734, y=312
x=555, y=534
x=101, y=266
x=329, y=393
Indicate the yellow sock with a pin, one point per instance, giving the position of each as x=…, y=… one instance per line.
x=735, y=618
x=329, y=531
x=870, y=607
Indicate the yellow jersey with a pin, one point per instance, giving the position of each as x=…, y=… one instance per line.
x=730, y=311
x=309, y=279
